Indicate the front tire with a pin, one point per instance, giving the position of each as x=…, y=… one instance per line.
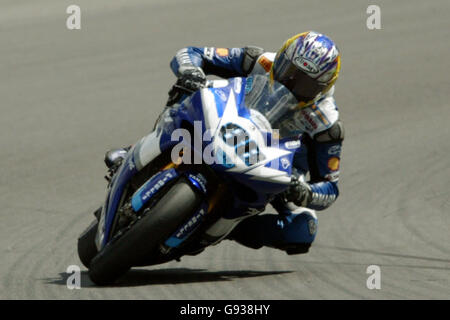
x=144, y=236
x=86, y=244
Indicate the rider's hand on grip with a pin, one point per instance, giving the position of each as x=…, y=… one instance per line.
x=190, y=79
x=298, y=192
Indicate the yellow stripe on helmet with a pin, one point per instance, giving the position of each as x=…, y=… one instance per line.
x=286, y=44
x=332, y=81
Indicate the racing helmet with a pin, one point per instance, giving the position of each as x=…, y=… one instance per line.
x=308, y=65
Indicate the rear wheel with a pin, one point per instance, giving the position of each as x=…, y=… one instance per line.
x=145, y=235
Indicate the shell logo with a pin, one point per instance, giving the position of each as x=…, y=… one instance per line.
x=265, y=63
x=222, y=52
x=333, y=163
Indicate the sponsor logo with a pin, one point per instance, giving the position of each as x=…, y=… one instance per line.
x=334, y=150
x=309, y=119
x=190, y=224
x=221, y=95
x=312, y=226
x=265, y=63
x=200, y=179
x=333, y=163
x=237, y=85
x=183, y=57
x=222, y=52
x=248, y=85
x=285, y=163
x=209, y=53
x=306, y=65
x=157, y=186
x=235, y=52
x=333, y=176
x=292, y=144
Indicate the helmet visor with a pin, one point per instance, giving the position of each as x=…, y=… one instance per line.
x=302, y=86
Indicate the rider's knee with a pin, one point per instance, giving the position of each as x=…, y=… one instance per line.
x=300, y=233
x=302, y=227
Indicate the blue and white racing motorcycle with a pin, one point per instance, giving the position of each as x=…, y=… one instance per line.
x=211, y=161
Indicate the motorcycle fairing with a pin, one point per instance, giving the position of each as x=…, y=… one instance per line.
x=215, y=108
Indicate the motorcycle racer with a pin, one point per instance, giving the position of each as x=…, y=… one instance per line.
x=308, y=65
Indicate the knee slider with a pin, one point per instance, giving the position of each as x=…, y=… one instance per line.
x=296, y=248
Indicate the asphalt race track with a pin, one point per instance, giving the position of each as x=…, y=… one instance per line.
x=69, y=95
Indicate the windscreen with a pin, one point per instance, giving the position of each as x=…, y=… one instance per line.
x=273, y=101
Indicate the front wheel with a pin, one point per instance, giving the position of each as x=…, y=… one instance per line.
x=86, y=242
x=144, y=236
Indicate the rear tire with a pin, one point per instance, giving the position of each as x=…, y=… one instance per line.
x=140, y=241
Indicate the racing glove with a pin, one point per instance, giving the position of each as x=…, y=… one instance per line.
x=190, y=79
x=299, y=193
